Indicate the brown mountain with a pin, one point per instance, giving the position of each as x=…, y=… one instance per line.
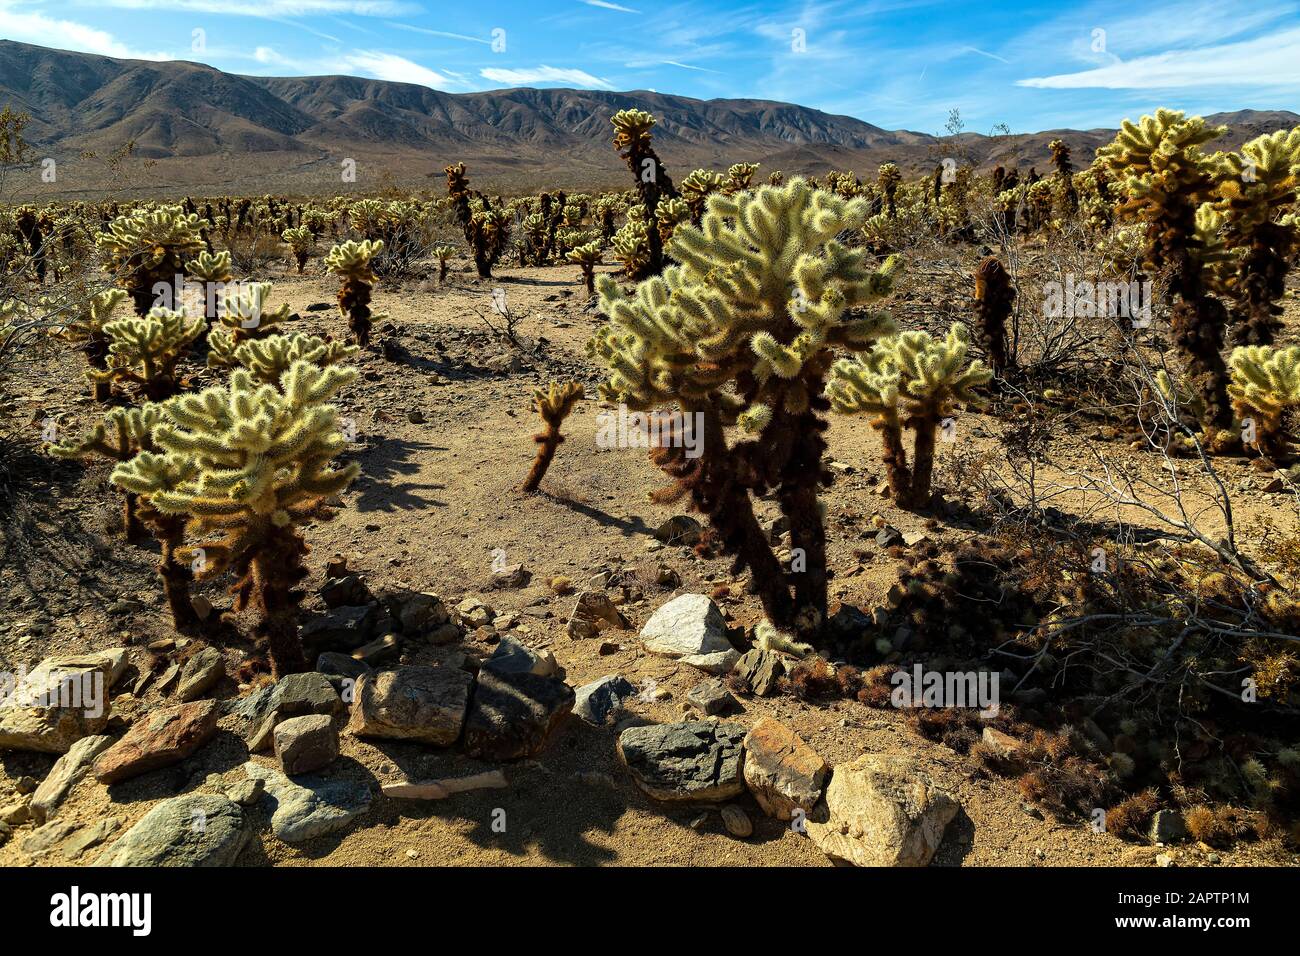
x=196, y=128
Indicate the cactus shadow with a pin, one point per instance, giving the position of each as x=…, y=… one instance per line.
x=382, y=465
x=628, y=526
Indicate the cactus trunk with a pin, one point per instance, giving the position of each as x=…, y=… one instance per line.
x=176, y=576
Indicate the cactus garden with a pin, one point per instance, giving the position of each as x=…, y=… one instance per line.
x=651, y=511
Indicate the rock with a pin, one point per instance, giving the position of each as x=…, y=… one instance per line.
x=60, y=701
x=383, y=650
x=65, y=774
x=441, y=789
x=307, y=743
x=16, y=812
x=719, y=662
x=293, y=696
x=47, y=837
x=200, y=673
x=760, y=671
x=593, y=612
x=1164, y=860
x=421, y=612
x=513, y=715
x=736, y=821
x=849, y=623
x=1168, y=826
x=1003, y=745
x=512, y=657
x=687, y=625
x=474, y=613
x=246, y=793
x=427, y=704
x=510, y=577
x=25, y=784
x=711, y=697
x=89, y=837
x=345, y=591
x=880, y=810
x=345, y=627
x=158, y=739
x=679, y=529
x=600, y=701
x=447, y=633
x=888, y=537
x=782, y=772
x=197, y=829
x=341, y=665
x=310, y=807
x=694, y=761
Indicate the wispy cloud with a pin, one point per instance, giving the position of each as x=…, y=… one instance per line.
x=689, y=66
x=546, y=74
x=271, y=9
x=606, y=5
x=439, y=33
x=32, y=27
x=1269, y=60
x=390, y=66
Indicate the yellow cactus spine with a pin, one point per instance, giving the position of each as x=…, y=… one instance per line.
x=143, y=353
x=145, y=251
x=553, y=404
x=301, y=242
x=1265, y=387
x=351, y=262
x=633, y=141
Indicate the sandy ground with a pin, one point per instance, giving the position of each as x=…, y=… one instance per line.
x=444, y=441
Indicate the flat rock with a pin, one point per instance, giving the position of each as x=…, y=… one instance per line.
x=600, y=701
x=60, y=701
x=687, y=625
x=158, y=739
x=760, y=671
x=512, y=657
x=292, y=696
x=307, y=743
x=89, y=837
x=514, y=715
x=197, y=829
x=880, y=810
x=711, y=697
x=782, y=772
x=427, y=704
x=719, y=662
x=593, y=612
x=66, y=772
x=310, y=807
x=200, y=673
x=346, y=627
x=693, y=761
x=341, y=665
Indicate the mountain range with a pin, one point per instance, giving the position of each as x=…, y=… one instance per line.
x=198, y=129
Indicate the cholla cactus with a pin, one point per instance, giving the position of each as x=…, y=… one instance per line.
x=246, y=465
x=607, y=207
x=889, y=178
x=267, y=359
x=908, y=381
x=668, y=214
x=486, y=230
x=1158, y=167
x=757, y=303
x=632, y=139
x=740, y=176
x=553, y=404
x=351, y=262
x=696, y=190
x=147, y=248
x=144, y=352
x=1255, y=186
x=994, y=297
x=86, y=329
x=119, y=436
x=244, y=314
x=588, y=257
x=302, y=241
x=631, y=244
x=443, y=252
x=1265, y=387
x=1065, y=173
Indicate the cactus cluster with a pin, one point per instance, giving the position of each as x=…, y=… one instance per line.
x=909, y=381
x=143, y=353
x=244, y=314
x=301, y=241
x=148, y=248
x=633, y=140
x=86, y=329
x=588, y=257
x=741, y=331
x=1265, y=386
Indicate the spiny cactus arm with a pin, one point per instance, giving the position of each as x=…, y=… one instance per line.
x=211, y=267
x=245, y=312
x=267, y=359
x=121, y=433
x=352, y=259
x=95, y=312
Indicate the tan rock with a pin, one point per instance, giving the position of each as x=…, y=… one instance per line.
x=782, y=772
x=165, y=737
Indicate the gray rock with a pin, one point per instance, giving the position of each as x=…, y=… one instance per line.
x=512, y=657
x=293, y=696
x=341, y=665
x=246, y=792
x=307, y=743
x=719, y=662
x=593, y=612
x=600, y=701
x=60, y=701
x=427, y=704
x=687, y=625
x=89, y=837
x=694, y=761
x=737, y=821
x=760, y=671
x=47, y=837
x=197, y=829
x=421, y=612
x=880, y=810
x=200, y=673
x=382, y=650
x=66, y=772
x=346, y=627
x=513, y=715
x=310, y=807
x=346, y=591
x=1168, y=826
x=679, y=529
x=711, y=697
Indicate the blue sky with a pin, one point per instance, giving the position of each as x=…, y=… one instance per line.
x=895, y=63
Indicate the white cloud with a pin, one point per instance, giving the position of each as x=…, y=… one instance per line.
x=40, y=29
x=272, y=8
x=389, y=66
x=266, y=54
x=546, y=74
x=606, y=5
x=1269, y=60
